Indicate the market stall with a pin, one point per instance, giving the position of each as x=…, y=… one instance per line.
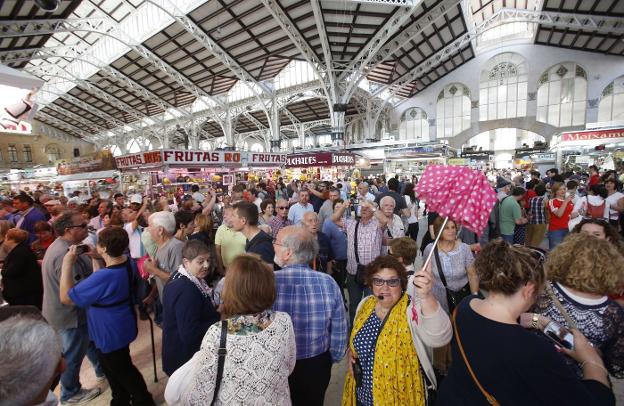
x=413, y=160
x=174, y=172
x=320, y=165
x=42, y=179
x=89, y=174
x=539, y=159
x=577, y=150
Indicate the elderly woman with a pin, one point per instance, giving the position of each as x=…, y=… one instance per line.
x=497, y=361
x=392, y=333
x=188, y=307
x=583, y=270
x=267, y=211
x=260, y=345
x=107, y=297
x=395, y=227
x=21, y=273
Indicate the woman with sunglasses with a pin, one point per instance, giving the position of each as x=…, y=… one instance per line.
x=583, y=270
x=393, y=331
x=498, y=361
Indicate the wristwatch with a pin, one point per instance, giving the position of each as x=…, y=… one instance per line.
x=535, y=321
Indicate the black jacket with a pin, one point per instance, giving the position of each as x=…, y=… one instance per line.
x=21, y=277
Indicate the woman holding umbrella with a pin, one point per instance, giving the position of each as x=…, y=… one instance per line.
x=392, y=333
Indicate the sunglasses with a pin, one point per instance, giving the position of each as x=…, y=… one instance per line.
x=392, y=283
x=281, y=207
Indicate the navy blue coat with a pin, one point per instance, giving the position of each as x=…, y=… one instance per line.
x=187, y=315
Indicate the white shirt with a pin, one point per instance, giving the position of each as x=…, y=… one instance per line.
x=96, y=222
x=135, y=246
x=198, y=197
x=613, y=199
x=580, y=206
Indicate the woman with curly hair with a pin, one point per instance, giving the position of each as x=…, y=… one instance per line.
x=514, y=366
x=583, y=270
x=599, y=228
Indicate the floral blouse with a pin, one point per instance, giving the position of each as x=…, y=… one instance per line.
x=246, y=324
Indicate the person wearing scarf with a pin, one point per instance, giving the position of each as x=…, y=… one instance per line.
x=188, y=307
x=389, y=356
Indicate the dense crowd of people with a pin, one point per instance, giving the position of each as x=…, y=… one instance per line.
x=259, y=291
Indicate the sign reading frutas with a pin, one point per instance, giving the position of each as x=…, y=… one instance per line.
x=181, y=157
x=593, y=135
x=140, y=159
x=259, y=158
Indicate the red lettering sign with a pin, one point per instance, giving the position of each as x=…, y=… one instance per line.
x=593, y=135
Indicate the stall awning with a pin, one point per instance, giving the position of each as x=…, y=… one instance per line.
x=86, y=176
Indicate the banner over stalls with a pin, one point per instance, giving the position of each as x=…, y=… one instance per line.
x=138, y=159
x=607, y=135
x=320, y=159
x=201, y=158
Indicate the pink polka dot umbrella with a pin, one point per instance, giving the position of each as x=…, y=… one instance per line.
x=458, y=193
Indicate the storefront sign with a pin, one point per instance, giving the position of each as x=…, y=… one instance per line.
x=593, y=135
x=140, y=159
x=259, y=158
x=320, y=159
x=549, y=157
x=458, y=161
x=200, y=158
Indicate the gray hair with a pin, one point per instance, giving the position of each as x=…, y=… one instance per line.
x=30, y=351
x=387, y=198
x=64, y=222
x=164, y=219
x=302, y=243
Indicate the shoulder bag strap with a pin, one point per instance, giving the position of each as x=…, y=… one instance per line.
x=222, y=352
x=491, y=399
x=571, y=323
x=439, y=266
x=355, y=242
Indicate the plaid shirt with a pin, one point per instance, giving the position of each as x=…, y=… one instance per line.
x=370, y=238
x=314, y=303
x=277, y=223
x=536, y=206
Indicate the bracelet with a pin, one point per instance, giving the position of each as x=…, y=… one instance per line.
x=594, y=363
x=535, y=321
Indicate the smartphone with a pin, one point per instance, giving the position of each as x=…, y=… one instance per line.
x=82, y=249
x=560, y=335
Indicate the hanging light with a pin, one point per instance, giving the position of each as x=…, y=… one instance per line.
x=47, y=5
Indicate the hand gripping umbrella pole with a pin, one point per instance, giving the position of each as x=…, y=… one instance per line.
x=435, y=243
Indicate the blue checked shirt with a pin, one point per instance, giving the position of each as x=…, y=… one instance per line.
x=314, y=303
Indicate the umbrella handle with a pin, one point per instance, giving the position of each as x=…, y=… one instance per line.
x=435, y=243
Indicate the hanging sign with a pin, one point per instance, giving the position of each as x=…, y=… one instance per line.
x=139, y=159
x=200, y=158
x=593, y=135
x=265, y=159
x=320, y=159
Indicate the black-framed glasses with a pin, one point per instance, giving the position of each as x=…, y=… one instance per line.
x=392, y=283
x=281, y=207
x=83, y=225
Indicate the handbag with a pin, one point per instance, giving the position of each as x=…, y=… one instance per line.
x=453, y=297
x=491, y=399
x=222, y=352
x=359, y=272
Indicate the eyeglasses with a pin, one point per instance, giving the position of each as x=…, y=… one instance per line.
x=281, y=207
x=83, y=225
x=392, y=283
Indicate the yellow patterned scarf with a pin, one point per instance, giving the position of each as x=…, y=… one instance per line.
x=396, y=372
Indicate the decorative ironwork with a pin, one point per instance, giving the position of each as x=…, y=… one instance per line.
x=608, y=90
x=580, y=72
x=561, y=71
x=502, y=72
